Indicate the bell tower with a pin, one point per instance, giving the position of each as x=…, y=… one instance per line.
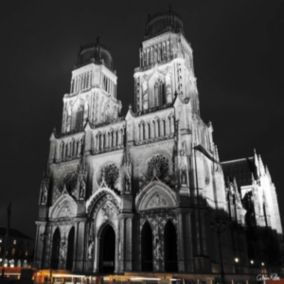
x=93, y=90
x=166, y=65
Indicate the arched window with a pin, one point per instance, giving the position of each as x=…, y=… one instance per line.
x=81, y=149
x=111, y=139
x=158, y=128
x=99, y=141
x=62, y=150
x=104, y=140
x=170, y=122
x=173, y=124
x=73, y=148
x=79, y=118
x=149, y=130
x=159, y=93
x=72, y=86
x=159, y=52
x=143, y=130
x=70, y=149
x=66, y=150
x=154, y=129
x=121, y=136
x=156, y=94
x=116, y=138
x=108, y=140
x=164, y=128
x=78, y=148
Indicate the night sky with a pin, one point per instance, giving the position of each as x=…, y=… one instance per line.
x=238, y=51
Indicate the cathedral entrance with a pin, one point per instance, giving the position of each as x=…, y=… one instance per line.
x=170, y=243
x=55, y=249
x=147, y=248
x=107, y=250
x=70, y=250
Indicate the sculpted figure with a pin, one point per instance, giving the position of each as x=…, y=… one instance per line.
x=82, y=191
x=44, y=195
x=91, y=249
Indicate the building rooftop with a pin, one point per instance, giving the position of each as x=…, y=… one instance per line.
x=14, y=233
x=241, y=169
x=94, y=53
x=163, y=22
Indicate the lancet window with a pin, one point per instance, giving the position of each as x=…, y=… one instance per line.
x=159, y=93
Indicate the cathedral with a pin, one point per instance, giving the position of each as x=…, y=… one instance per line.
x=147, y=192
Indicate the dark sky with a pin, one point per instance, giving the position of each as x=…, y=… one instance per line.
x=238, y=55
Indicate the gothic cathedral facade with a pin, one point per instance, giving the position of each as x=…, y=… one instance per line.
x=147, y=191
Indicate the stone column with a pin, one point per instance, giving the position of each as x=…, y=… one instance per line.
x=47, y=247
x=39, y=244
x=158, y=248
x=126, y=241
x=79, y=252
x=180, y=246
x=121, y=243
x=96, y=254
x=117, y=263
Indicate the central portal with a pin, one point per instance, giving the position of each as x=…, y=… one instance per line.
x=107, y=250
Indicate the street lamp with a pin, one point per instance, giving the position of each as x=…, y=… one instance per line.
x=252, y=262
x=237, y=260
x=219, y=224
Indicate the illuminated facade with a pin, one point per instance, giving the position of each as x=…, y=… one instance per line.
x=144, y=192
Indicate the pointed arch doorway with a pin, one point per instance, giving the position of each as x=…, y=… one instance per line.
x=70, y=249
x=107, y=250
x=146, y=248
x=55, y=249
x=170, y=248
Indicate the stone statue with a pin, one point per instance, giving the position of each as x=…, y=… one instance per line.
x=91, y=249
x=183, y=178
x=183, y=165
x=127, y=184
x=62, y=251
x=82, y=190
x=44, y=193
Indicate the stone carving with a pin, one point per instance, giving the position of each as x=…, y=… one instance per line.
x=91, y=249
x=183, y=166
x=158, y=224
x=157, y=201
x=145, y=95
x=70, y=182
x=158, y=167
x=110, y=174
x=108, y=210
x=127, y=184
x=64, y=209
x=82, y=185
x=158, y=250
x=44, y=193
x=64, y=212
x=62, y=251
